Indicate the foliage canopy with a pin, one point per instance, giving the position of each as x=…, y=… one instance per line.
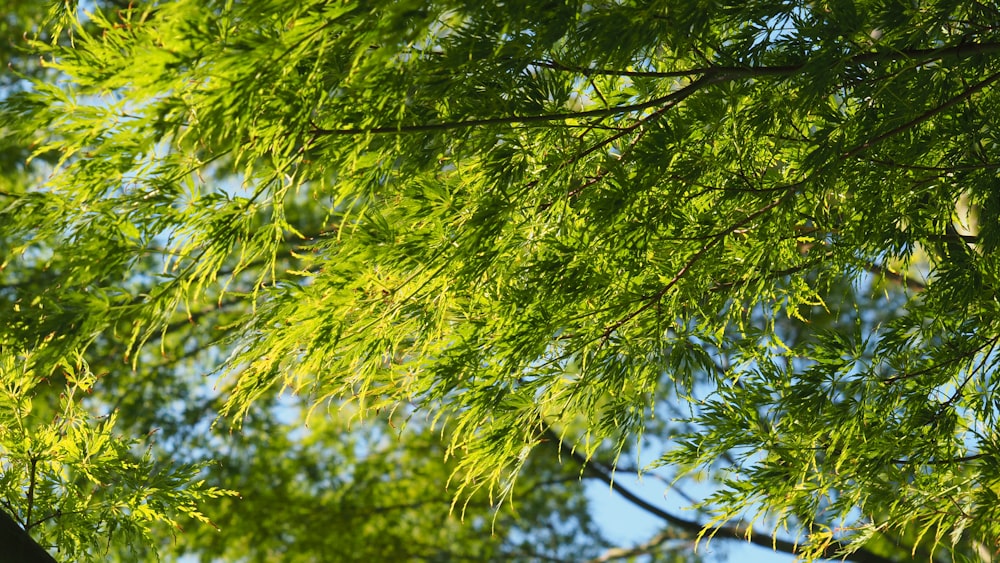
x=760, y=238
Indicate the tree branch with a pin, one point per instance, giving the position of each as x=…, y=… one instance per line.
x=715, y=240
x=912, y=284
x=833, y=551
x=709, y=75
x=671, y=99
x=731, y=72
x=968, y=93
x=642, y=549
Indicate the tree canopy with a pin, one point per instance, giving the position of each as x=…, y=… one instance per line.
x=400, y=273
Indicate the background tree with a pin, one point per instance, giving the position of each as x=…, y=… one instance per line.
x=758, y=238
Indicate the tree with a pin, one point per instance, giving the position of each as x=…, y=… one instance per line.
x=526, y=239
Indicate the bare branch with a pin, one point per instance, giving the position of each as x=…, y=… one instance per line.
x=645, y=548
